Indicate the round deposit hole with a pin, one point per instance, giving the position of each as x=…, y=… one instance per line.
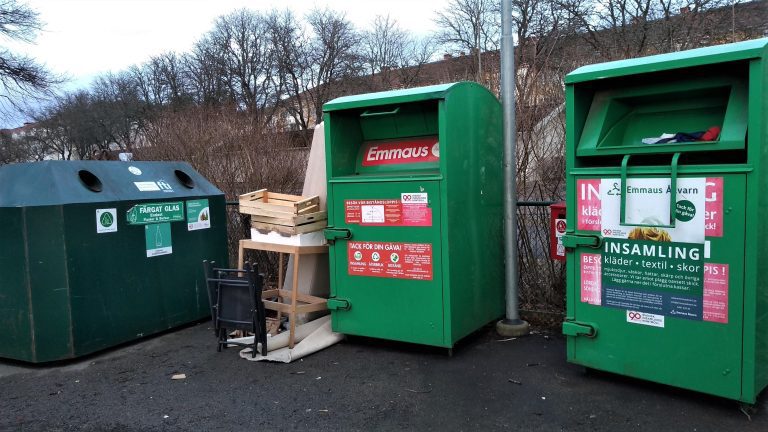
x=185, y=179
x=90, y=180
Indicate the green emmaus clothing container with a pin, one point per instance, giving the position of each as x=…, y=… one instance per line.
x=667, y=242
x=97, y=253
x=415, y=213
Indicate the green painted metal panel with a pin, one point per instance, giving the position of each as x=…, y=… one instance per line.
x=442, y=147
x=15, y=301
x=77, y=285
x=714, y=336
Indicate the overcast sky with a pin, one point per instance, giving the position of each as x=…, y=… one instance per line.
x=84, y=38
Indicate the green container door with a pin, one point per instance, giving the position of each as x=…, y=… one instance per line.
x=657, y=315
x=386, y=269
x=665, y=183
x=415, y=187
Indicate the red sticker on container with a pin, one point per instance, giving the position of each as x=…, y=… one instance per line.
x=716, y=293
x=410, y=151
x=588, y=206
x=390, y=260
x=713, y=207
x=591, y=284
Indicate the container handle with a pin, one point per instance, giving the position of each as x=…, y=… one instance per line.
x=368, y=113
x=672, y=197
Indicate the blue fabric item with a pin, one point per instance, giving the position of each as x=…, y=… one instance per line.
x=682, y=137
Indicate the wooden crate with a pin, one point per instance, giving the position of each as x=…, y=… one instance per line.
x=275, y=205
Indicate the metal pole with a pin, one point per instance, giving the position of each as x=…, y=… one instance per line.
x=512, y=325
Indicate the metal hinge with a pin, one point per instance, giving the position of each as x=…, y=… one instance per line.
x=338, y=304
x=332, y=234
x=574, y=328
x=572, y=241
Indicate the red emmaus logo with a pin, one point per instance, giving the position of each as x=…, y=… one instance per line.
x=401, y=152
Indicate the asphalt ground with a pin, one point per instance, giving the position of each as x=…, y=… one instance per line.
x=360, y=384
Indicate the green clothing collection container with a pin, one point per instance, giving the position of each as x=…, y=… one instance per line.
x=98, y=253
x=667, y=239
x=415, y=213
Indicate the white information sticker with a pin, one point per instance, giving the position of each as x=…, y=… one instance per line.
x=372, y=213
x=147, y=186
x=644, y=318
x=414, y=198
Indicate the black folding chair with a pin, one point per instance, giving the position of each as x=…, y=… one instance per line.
x=236, y=304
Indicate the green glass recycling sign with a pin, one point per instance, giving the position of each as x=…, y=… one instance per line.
x=152, y=213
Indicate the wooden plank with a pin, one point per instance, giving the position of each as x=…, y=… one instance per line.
x=292, y=220
x=285, y=197
x=270, y=293
x=255, y=211
x=290, y=230
x=251, y=196
x=304, y=298
x=271, y=207
x=312, y=307
x=275, y=306
x=304, y=204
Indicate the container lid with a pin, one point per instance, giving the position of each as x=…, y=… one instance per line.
x=676, y=60
x=75, y=182
x=395, y=96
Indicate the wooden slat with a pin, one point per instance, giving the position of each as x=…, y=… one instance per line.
x=255, y=211
x=304, y=204
x=270, y=293
x=304, y=298
x=275, y=306
x=290, y=230
x=251, y=196
x=313, y=307
x=285, y=197
x=292, y=220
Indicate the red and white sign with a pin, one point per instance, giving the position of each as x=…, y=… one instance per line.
x=560, y=227
x=390, y=260
x=716, y=293
x=418, y=150
x=713, y=207
x=410, y=210
x=588, y=206
x=591, y=285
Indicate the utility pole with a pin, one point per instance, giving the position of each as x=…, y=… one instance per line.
x=511, y=325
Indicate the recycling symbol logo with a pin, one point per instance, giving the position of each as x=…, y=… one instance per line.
x=106, y=220
x=376, y=257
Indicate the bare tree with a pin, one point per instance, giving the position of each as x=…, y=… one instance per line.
x=292, y=66
x=21, y=77
x=333, y=57
x=393, y=57
x=470, y=26
x=241, y=47
x=618, y=29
